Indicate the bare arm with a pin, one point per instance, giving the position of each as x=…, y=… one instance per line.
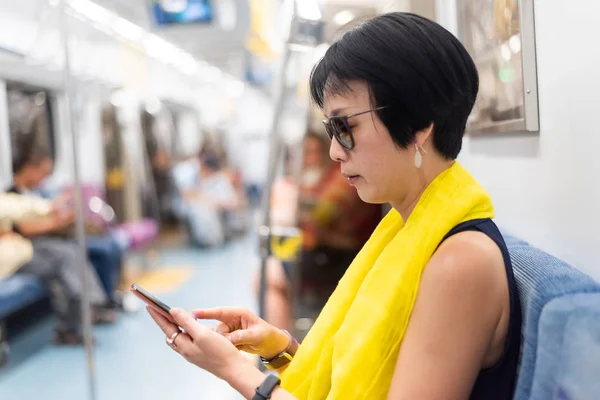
x=462, y=297
x=247, y=378
x=45, y=225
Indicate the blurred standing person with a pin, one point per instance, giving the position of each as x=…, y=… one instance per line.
x=335, y=223
x=209, y=202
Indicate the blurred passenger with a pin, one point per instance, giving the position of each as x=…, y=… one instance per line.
x=32, y=165
x=104, y=250
x=330, y=239
x=429, y=308
x=210, y=203
x=285, y=196
x=54, y=261
x=54, y=258
x=236, y=219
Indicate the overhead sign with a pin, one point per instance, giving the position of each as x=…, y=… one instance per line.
x=176, y=12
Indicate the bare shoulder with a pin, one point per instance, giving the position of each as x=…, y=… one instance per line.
x=458, y=321
x=466, y=277
x=470, y=260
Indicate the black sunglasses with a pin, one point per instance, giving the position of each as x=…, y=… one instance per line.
x=339, y=128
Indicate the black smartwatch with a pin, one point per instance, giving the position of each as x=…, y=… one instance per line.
x=265, y=390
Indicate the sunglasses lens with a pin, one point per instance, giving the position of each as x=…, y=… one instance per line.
x=328, y=129
x=343, y=132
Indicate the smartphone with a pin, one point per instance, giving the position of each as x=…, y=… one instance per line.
x=152, y=301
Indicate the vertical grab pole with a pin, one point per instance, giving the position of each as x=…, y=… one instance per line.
x=81, y=254
x=274, y=152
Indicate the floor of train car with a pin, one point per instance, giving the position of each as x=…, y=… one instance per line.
x=131, y=358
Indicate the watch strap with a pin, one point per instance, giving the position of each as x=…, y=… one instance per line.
x=265, y=390
x=278, y=361
x=283, y=358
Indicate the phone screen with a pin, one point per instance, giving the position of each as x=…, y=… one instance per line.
x=155, y=303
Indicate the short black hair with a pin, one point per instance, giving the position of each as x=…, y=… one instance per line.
x=27, y=149
x=414, y=67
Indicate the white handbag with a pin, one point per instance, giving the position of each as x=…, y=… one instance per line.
x=16, y=207
x=15, y=251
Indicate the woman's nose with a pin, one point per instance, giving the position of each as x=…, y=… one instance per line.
x=336, y=151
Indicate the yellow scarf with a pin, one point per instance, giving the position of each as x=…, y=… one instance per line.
x=351, y=351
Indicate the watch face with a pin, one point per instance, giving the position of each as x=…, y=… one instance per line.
x=280, y=361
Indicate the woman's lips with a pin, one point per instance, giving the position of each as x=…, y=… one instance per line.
x=351, y=178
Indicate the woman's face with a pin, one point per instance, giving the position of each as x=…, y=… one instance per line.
x=381, y=171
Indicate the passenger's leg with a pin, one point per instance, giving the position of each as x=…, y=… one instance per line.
x=277, y=304
x=45, y=264
x=105, y=257
x=63, y=253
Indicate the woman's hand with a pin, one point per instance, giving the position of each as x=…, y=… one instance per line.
x=213, y=352
x=201, y=346
x=246, y=331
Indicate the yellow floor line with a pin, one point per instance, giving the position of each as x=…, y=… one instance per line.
x=159, y=280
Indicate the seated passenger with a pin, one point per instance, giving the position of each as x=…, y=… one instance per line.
x=54, y=258
x=209, y=204
x=103, y=250
x=429, y=309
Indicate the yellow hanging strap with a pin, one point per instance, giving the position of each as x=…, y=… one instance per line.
x=286, y=248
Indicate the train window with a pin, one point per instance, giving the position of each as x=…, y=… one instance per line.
x=31, y=122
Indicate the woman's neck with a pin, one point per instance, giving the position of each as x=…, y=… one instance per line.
x=426, y=174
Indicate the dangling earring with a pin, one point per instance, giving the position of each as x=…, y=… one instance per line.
x=418, y=156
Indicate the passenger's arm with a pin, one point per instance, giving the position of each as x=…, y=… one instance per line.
x=45, y=225
x=458, y=309
x=219, y=204
x=229, y=200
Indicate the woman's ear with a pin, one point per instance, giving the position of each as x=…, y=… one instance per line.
x=423, y=135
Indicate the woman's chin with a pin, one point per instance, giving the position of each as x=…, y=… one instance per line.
x=367, y=195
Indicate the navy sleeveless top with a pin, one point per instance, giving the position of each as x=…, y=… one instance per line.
x=498, y=382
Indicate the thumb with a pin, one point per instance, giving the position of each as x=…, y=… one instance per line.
x=186, y=321
x=244, y=337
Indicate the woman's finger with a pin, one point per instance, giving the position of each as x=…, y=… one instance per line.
x=218, y=314
x=187, y=322
x=164, y=324
x=223, y=314
x=184, y=345
x=244, y=337
x=222, y=328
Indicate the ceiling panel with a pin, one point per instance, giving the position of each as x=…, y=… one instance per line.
x=209, y=42
x=225, y=48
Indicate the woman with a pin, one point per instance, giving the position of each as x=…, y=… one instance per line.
x=428, y=309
